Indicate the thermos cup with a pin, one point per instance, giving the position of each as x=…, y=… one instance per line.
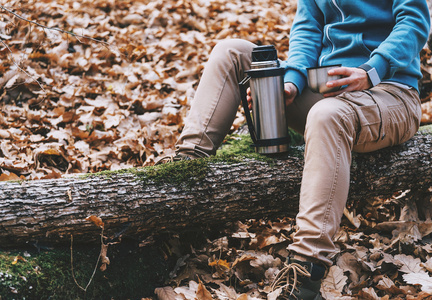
x=318, y=77
x=268, y=125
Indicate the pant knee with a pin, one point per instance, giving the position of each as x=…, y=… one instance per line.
x=331, y=114
x=322, y=113
x=227, y=47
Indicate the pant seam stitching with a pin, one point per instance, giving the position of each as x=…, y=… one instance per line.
x=331, y=197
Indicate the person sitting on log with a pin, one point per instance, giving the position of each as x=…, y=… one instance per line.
x=377, y=105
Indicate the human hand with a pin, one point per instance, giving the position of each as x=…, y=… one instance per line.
x=290, y=93
x=354, y=79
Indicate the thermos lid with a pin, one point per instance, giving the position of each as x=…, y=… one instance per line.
x=266, y=72
x=264, y=53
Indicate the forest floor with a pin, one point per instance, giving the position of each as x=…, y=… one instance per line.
x=111, y=91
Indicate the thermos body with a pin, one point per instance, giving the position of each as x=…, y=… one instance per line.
x=268, y=125
x=268, y=110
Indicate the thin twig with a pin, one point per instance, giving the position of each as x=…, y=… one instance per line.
x=19, y=68
x=77, y=36
x=95, y=268
x=55, y=28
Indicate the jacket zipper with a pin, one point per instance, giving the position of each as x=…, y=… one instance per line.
x=327, y=35
x=339, y=9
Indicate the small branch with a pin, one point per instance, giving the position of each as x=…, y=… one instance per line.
x=19, y=68
x=77, y=36
x=55, y=28
x=95, y=268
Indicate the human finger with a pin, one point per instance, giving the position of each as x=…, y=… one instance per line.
x=249, y=97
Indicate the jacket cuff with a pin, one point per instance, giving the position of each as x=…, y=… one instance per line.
x=380, y=64
x=296, y=78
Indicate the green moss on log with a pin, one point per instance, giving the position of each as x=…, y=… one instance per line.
x=426, y=129
x=235, y=149
x=179, y=173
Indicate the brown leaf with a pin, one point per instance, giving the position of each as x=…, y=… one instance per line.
x=203, y=293
x=17, y=259
x=10, y=176
x=243, y=258
x=422, y=279
x=243, y=297
x=96, y=220
x=352, y=218
x=333, y=283
x=427, y=265
x=387, y=285
x=225, y=292
x=349, y=263
x=409, y=263
x=275, y=294
x=368, y=294
x=165, y=293
x=104, y=258
x=51, y=156
x=220, y=263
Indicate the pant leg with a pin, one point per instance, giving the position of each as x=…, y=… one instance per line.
x=334, y=128
x=216, y=100
x=298, y=110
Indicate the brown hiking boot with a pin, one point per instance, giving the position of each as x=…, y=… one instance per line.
x=172, y=158
x=299, y=280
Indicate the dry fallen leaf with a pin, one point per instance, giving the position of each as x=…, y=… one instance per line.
x=165, y=293
x=368, y=294
x=243, y=297
x=349, y=263
x=427, y=265
x=9, y=176
x=387, y=285
x=188, y=292
x=409, y=263
x=104, y=258
x=220, y=263
x=202, y=293
x=96, y=220
x=334, y=283
x=17, y=259
x=225, y=292
x=422, y=279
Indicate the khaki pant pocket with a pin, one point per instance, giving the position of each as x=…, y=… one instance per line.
x=369, y=123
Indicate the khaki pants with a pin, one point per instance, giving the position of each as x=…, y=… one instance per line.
x=362, y=121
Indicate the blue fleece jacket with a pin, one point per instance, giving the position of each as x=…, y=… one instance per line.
x=385, y=34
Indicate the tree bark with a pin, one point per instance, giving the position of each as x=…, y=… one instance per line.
x=51, y=210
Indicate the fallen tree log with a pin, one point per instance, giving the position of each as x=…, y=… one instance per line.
x=182, y=195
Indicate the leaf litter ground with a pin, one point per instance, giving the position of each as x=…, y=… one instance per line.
x=123, y=105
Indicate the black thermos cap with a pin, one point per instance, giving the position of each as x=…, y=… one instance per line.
x=264, y=53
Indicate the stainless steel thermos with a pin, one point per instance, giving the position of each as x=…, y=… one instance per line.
x=268, y=125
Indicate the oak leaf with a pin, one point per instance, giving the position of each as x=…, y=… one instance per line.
x=387, y=285
x=422, y=279
x=409, y=263
x=334, y=283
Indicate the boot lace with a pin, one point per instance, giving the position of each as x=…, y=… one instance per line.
x=287, y=278
x=170, y=159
